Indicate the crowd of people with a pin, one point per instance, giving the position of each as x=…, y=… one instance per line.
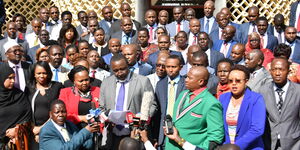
x=193, y=84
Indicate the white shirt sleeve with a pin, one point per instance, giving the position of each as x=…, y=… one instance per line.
x=149, y=146
x=188, y=146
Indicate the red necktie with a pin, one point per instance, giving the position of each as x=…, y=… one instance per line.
x=93, y=73
x=151, y=35
x=178, y=27
x=298, y=24
x=20, y=36
x=195, y=40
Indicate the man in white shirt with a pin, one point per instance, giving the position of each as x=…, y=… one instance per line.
x=55, y=57
x=56, y=24
x=163, y=17
x=83, y=19
x=94, y=61
x=33, y=38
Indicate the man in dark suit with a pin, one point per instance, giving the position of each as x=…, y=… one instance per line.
x=163, y=45
x=225, y=45
x=259, y=75
x=126, y=12
x=150, y=18
x=249, y=27
x=11, y=30
x=294, y=16
x=83, y=19
x=291, y=40
x=44, y=41
x=55, y=57
x=167, y=91
x=108, y=20
x=227, y=12
x=127, y=35
x=130, y=52
x=58, y=133
x=205, y=45
x=14, y=53
x=283, y=104
x=208, y=22
x=44, y=16
x=89, y=35
x=278, y=29
x=124, y=82
x=267, y=40
x=179, y=24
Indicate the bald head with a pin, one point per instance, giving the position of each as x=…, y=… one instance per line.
x=114, y=45
x=253, y=13
x=257, y=53
x=229, y=147
x=209, y=8
x=128, y=143
x=197, y=78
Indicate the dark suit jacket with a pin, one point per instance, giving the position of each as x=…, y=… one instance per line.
x=144, y=69
x=215, y=56
x=296, y=54
x=161, y=93
x=107, y=58
x=244, y=31
x=27, y=70
x=79, y=30
x=118, y=35
x=23, y=43
x=272, y=42
x=218, y=44
x=251, y=120
x=287, y=124
x=293, y=13
x=104, y=50
x=202, y=28
x=103, y=24
x=153, y=57
x=214, y=35
x=116, y=26
x=32, y=53
x=50, y=138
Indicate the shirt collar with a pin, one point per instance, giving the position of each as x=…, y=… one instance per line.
x=284, y=88
x=136, y=65
x=154, y=26
x=176, y=79
x=94, y=45
x=52, y=68
x=58, y=126
x=123, y=34
x=10, y=39
x=13, y=65
x=126, y=79
x=198, y=91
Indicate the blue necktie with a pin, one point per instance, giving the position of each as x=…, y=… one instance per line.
x=56, y=75
x=207, y=27
x=121, y=96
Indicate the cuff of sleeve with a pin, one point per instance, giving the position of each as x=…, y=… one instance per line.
x=148, y=145
x=188, y=146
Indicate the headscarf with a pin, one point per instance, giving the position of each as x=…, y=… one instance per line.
x=14, y=106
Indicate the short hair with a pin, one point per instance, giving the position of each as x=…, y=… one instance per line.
x=129, y=143
x=82, y=41
x=40, y=51
x=53, y=7
x=262, y=19
x=225, y=60
x=75, y=70
x=56, y=102
x=71, y=46
x=282, y=50
x=18, y=15
x=181, y=32
x=144, y=29
x=210, y=43
x=47, y=68
x=55, y=45
x=284, y=59
x=80, y=12
x=117, y=58
x=65, y=13
x=100, y=28
x=243, y=69
x=176, y=57
x=201, y=54
x=79, y=57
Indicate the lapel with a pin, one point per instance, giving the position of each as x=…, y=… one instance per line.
x=212, y=58
x=271, y=102
x=132, y=85
x=288, y=98
x=225, y=107
x=258, y=77
x=164, y=90
x=113, y=94
x=243, y=109
x=51, y=125
x=180, y=86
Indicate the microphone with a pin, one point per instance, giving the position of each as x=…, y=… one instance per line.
x=168, y=123
x=147, y=99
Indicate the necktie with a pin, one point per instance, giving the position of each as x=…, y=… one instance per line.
x=178, y=27
x=36, y=41
x=279, y=37
x=195, y=40
x=17, y=81
x=65, y=134
x=121, y=97
x=298, y=24
x=224, y=49
x=150, y=34
x=171, y=98
x=262, y=42
x=20, y=36
x=254, y=29
x=127, y=39
x=280, y=102
x=93, y=73
x=56, y=75
x=207, y=27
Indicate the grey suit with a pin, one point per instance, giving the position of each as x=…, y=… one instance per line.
x=287, y=124
x=79, y=30
x=23, y=43
x=260, y=79
x=118, y=35
x=138, y=85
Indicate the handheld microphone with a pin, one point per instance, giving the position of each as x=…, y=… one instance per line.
x=168, y=124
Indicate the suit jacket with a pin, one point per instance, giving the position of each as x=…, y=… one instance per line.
x=116, y=26
x=293, y=13
x=23, y=43
x=30, y=30
x=79, y=30
x=144, y=68
x=244, y=32
x=107, y=58
x=200, y=122
x=118, y=35
x=153, y=57
x=214, y=35
x=217, y=45
x=26, y=69
x=161, y=93
x=215, y=57
x=172, y=27
x=296, y=54
x=263, y=77
x=51, y=138
x=287, y=124
x=32, y=53
x=103, y=24
x=251, y=120
x=86, y=37
x=104, y=50
x=138, y=87
x=272, y=42
x=202, y=28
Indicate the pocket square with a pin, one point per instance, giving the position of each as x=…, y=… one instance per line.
x=196, y=115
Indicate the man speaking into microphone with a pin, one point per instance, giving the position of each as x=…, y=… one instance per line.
x=125, y=91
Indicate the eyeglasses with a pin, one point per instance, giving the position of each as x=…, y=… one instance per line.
x=237, y=81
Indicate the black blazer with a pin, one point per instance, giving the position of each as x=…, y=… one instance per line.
x=116, y=26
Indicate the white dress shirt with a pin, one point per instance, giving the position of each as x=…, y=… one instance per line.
x=191, y=38
x=265, y=38
x=207, y=52
x=211, y=23
x=276, y=34
x=224, y=50
x=30, y=38
x=91, y=38
x=55, y=30
x=20, y=73
x=100, y=73
x=9, y=39
x=60, y=128
x=84, y=29
x=251, y=28
x=292, y=45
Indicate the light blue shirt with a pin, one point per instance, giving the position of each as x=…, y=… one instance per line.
x=124, y=38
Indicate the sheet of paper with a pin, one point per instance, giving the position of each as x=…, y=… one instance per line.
x=117, y=117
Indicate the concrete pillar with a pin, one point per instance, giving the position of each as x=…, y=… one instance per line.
x=219, y=4
x=141, y=6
